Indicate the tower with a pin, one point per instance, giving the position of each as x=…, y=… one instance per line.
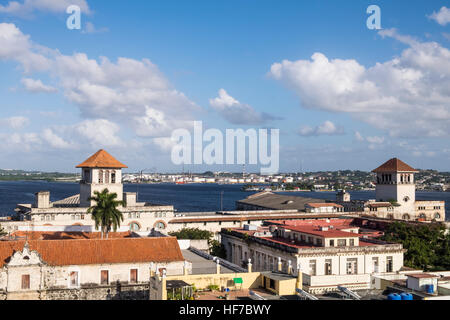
x=100, y=171
x=395, y=182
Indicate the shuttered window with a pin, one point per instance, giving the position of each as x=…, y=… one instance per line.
x=104, y=277
x=25, y=281
x=133, y=276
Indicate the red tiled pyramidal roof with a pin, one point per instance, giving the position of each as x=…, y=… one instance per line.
x=96, y=251
x=394, y=165
x=101, y=159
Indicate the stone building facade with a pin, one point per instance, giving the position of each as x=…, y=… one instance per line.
x=86, y=269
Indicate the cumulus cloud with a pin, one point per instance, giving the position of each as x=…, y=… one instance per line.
x=236, y=112
x=374, y=142
x=90, y=28
x=388, y=95
x=54, y=6
x=36, y=86
x=327, y=128
x=15, y=122
x=131, y=91
x=442, y=16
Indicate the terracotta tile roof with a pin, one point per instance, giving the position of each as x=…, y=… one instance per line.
x=101, y=159
x=394, y=165
x=88, y=252
x=47, y=235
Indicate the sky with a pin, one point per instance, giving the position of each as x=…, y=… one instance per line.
x=342, y=95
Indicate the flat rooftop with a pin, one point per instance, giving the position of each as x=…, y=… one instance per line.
x=202, y=265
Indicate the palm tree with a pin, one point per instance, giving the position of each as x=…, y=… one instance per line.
x=105, y=212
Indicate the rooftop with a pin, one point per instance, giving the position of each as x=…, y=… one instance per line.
x=274, y=201
x=96, y=251
x=102, y=159
x=394, y=165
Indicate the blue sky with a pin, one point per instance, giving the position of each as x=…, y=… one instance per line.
x=384, y=96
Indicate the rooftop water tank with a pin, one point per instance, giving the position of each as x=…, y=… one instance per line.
x=394, y=296
x=406, y=296
x=429, y=288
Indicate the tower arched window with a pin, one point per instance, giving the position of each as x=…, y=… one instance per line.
x=100, y=176
x=107, y=176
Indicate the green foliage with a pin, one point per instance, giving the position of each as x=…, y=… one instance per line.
x=2, y=232
x=427, y=246
x=105, y=212
x=217, y=249
x=192, y=234
x=213, y=287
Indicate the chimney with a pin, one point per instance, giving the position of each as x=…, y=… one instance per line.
x=289, y=267
x=185, y=268
x=280, y=265
x=130, y=198
x=43, y=200
x=249, y=265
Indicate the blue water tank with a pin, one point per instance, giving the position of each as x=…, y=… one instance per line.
x=406, y=296
x=429, y=288
x=394, y=296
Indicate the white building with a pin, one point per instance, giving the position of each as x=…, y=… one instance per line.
x=328, y=253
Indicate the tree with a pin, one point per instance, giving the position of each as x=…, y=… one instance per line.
x=192, y=234
x=105, y=212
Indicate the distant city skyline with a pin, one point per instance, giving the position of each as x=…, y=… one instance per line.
x=343, y=96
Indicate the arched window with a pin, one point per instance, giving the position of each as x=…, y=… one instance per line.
x=113, y=176
x=406, y=216
x=134, y=226
x=390, y=216
x=406, y=199
x=160, y=225
x=100, y=176
x=107, y=176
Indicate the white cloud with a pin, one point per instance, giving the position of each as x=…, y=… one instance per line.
x=133, y=92
x=326, y=128
x=90, y=28
x=238, y=113
x=36, y=86
x=388, y=95
x=55, y=6
x=442, y=17
x=358, y=136
x=54, y=140
x=15, y=122
x=99, y=132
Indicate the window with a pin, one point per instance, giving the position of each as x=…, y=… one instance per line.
x=375, y=265
x=74, y=279
x=319, y=241
x=104, y=277
x=133, y=275
x=328, y=267
x=53, y=217
x=107, y=176
x=204, y=223
x=160, y=225
x=352, y=266
x=86, y=175
x=389, y=264
x=113, y=177
x=134, y=227
x=82, y=217
x=331, y=243
x=100, y=176
x=73, y=217
x=25, y=281
x=312, y=267
x=437, y=215
x=342, y=242
x=352, y=242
